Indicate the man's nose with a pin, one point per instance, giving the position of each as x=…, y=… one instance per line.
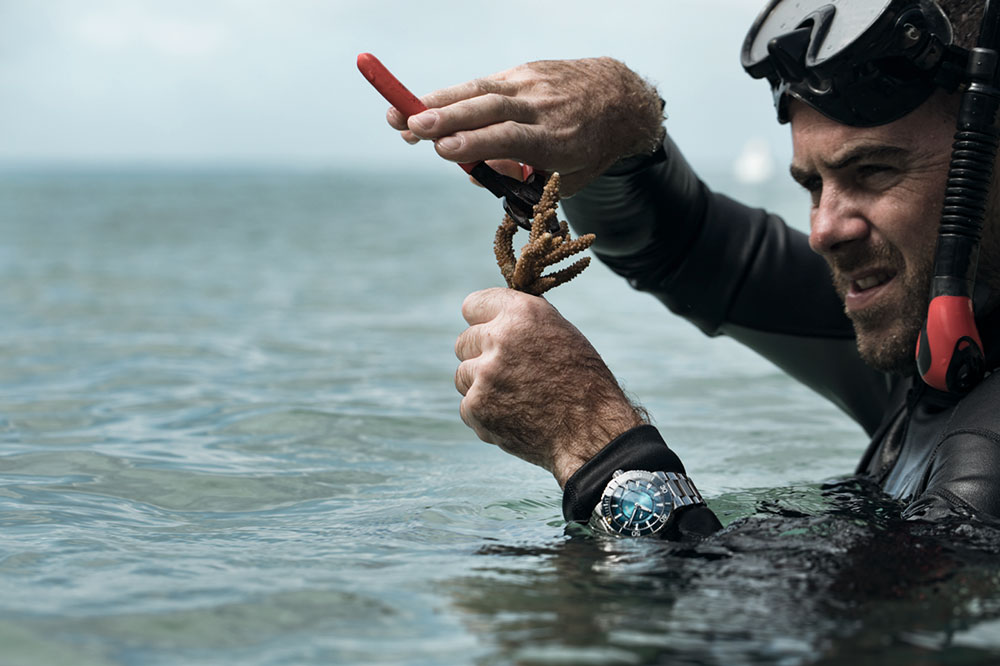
x=835, y=221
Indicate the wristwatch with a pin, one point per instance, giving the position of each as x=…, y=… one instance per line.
x=641, y=503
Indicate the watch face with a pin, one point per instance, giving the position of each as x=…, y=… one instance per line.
x=637, y=505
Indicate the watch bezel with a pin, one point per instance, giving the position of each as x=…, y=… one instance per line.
x=661, y=511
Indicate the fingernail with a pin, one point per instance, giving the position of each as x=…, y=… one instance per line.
x=424, y=120
x=450, y=143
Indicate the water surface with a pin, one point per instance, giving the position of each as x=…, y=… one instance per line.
x=228, y=434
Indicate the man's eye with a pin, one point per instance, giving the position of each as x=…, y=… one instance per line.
x=814, y=186
x=876, y=172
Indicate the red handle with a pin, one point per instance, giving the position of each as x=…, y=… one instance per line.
x=393, y=91
x=389, y=86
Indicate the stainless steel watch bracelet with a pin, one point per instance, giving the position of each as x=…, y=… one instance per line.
x=682, y=487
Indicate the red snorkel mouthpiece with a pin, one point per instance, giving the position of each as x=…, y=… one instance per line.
x=949, y=352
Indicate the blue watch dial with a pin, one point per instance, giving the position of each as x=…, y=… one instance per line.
x=637, y=507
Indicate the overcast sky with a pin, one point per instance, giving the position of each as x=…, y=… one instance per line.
x=258, y=82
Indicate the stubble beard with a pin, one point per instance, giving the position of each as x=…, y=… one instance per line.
x=887, y=332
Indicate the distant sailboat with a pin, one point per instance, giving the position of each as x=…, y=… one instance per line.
x=755, y=163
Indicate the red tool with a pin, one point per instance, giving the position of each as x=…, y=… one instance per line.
x=518, y=197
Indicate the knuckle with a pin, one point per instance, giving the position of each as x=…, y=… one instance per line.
x=486, y=374
x=505, y=106
x=485, y=86
x=492, y=300
x=463, y=412
x=534, y=307
x=469, y=410
x=524, y=140
x=473, y=403
x=470, y=306
x=501, y=340
x=466, y=346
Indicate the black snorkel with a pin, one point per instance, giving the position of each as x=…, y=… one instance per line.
x=869, y=62
x=949, y=352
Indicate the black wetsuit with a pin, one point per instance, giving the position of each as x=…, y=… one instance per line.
x=741, y=272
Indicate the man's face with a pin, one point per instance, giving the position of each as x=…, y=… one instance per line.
x=876, y=206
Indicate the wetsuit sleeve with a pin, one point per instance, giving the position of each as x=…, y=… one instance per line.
x=640, y=448
x=963, y=474
x=728, y=269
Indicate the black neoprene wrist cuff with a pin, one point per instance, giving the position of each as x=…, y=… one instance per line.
x=633, y=163
x=641, y=447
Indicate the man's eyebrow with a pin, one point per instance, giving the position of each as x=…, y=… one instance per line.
x=852, y=156
x=866, y=152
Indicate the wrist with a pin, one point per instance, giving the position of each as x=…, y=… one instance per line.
x=575, y=454
x=647, y=111
x=633, y=116
x=639, y=448
x=650, y=130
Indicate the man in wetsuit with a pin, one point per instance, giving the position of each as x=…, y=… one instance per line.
x=876, y=186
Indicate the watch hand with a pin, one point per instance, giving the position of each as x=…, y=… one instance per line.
x=632, y=515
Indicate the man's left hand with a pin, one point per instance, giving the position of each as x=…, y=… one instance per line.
x=534, y=385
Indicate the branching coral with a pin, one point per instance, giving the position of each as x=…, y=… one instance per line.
x=544, y=248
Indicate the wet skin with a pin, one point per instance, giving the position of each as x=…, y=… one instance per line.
x=876, y=204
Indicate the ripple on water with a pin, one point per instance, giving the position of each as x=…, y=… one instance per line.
x=240, y=630
x=174, y=489
x=24, y=644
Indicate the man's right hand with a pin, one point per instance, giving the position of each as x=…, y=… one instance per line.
x=577, y=117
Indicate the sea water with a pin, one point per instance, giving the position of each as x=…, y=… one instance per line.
x=229, y=434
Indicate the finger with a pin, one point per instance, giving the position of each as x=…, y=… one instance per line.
x=470, y=114
x=398, y=121
x=494, y=84
x=465, y=376
x=395, y=118
x=498, y=83
x=448, y=96
x=467, y=411
x=506, y=140
x=482, y=306
x=509, y=168
x=469, y=344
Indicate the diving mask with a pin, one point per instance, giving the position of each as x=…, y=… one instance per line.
x=859, y=62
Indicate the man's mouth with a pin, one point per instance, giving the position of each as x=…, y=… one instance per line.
x=865, y=289
x=870, y=281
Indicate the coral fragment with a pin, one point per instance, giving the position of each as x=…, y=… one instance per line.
x=543, y=248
